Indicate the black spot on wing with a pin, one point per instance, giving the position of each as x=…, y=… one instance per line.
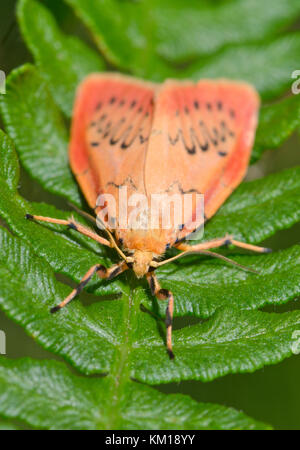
x=107, y=129
x=127, y=181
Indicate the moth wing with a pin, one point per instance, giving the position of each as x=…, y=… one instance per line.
x=111, y=125
x=201, y=141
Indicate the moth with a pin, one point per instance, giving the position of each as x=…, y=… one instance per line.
x=174, y=138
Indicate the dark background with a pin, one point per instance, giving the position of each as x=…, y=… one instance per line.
x=271, y=394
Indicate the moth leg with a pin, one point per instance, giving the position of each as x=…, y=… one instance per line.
x=71, y=223
x=164, y=294
x=102, y=271
x=218, y=242
x=112, y=271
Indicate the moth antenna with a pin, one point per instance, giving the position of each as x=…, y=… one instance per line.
x=83, y=213
x=112, y=240
x=207, y=253
x=92, y=219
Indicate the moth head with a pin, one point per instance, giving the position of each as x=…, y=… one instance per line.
x=141, y=262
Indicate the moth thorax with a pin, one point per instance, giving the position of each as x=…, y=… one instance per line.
x=141, y=262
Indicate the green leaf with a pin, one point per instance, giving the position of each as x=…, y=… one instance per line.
x=9, y=164
x=38, y=129
x=90, y=346
x=232, y=341
x=64, y=60
x=267, y=66
x=115, y=336
x=148, y=38
x=276, y=123
x=213, y=25
x=68, y=252
x=45, y=394
x=121, y=334
x=155, y=29
x=6, y=425
x=201, y=286
x=152, y=40
x=259, y=208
